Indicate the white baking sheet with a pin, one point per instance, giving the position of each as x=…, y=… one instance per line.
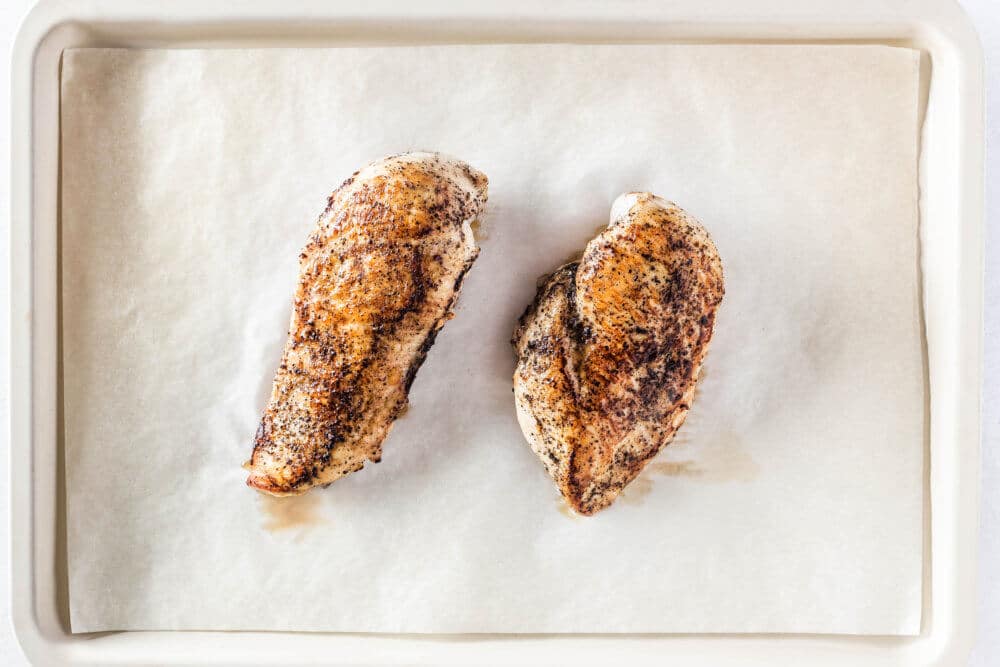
x=792, y=499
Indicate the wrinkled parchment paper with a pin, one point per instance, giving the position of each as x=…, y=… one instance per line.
x=792, y=498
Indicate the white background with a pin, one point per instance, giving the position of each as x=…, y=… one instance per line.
x=986, y=15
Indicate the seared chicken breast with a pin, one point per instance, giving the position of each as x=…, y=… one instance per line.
x=609, y=352
x=377, y=279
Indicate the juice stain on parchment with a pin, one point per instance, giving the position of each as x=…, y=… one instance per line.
x=738, y=468
x=721, y=458
x=717, y=464
x=676, y=469
x=637, y=490
x=478, y=232
x=291, y=514
x=725, y=459
x=565, y=510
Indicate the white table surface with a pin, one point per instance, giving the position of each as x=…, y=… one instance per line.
x=986, y=16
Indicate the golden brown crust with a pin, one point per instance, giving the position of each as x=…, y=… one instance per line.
x=610, y=351
x=377, y=280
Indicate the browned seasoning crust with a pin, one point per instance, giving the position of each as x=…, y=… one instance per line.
x=610, y=350
x=377, y=280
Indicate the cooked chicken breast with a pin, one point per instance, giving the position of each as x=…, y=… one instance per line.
x=610, y=350
x=377, y=280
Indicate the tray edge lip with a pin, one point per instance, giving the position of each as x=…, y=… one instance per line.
x=947, y=646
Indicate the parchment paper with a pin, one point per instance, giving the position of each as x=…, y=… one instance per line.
x=792, y=498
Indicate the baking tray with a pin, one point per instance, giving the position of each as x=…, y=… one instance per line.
x=951, y=210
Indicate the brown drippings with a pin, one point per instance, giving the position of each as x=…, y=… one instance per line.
x=728, y=463
x=676, y=469
x=681, y=439
x=289, y=513
x=565, y=510
x=478, y=233
x=699, y=383
x=723, y=460
x=635, y=493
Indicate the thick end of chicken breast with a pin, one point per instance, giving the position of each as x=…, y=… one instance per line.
x=377, y=281
x=610, y=350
